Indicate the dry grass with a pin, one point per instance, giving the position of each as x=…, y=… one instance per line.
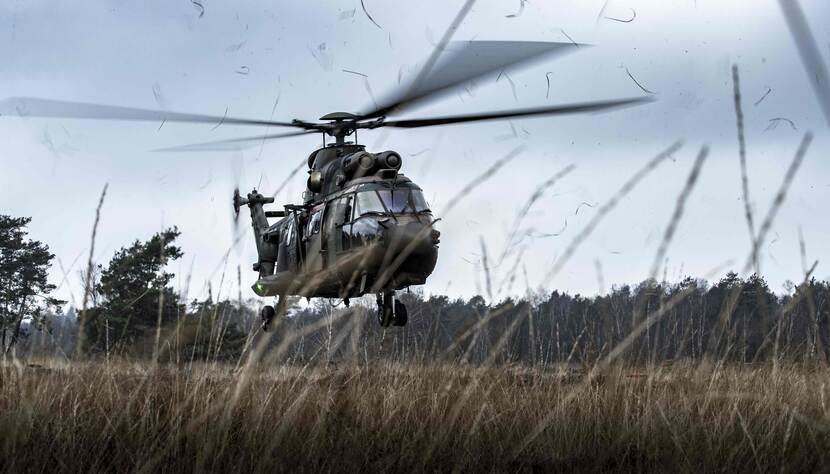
x=381, y=416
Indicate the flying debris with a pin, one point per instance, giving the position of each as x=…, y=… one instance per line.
x=637, y=82
x=773, y=123
x=619, y=20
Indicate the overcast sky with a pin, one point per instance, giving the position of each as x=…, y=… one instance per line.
x=256, y=58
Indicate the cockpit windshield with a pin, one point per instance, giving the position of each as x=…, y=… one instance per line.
x=396, y=200
x=390, y=201
x=418, y=201
x=368, y=202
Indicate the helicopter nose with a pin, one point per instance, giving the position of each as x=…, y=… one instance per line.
x=414, y=238
x=419, y=244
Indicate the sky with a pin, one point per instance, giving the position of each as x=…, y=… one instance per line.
x=286, y=60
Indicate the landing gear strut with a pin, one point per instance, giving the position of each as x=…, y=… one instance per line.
x=390, y=310
x=267, y=313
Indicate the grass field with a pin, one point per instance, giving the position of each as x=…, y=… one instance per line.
x=381, y=416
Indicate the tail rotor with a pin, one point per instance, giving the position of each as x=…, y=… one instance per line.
x=237, y=203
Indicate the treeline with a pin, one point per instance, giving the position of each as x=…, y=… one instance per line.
x=735, y=319
x=132, y=310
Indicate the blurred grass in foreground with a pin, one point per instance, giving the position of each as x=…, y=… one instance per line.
x=382, y=416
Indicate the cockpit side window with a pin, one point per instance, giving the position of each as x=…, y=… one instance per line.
x=344, y=207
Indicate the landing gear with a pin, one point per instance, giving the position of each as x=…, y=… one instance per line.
x=267, y=313
x=390, y=310
x=400, y=317
x=384, y=311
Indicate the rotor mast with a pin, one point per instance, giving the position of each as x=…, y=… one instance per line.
x=340, y=125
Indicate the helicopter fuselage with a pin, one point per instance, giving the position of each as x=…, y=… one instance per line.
x=366, y=229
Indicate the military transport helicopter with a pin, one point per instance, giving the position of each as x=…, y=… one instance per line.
x=363, y=226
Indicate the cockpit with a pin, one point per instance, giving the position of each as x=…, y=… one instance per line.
x=377, y=200
x=371, y=209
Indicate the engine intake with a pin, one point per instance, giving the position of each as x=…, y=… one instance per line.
x=359, y=164
x=389, y=159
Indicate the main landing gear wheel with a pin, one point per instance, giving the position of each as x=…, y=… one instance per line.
x=390, y=310
x=267, y=313
x=400, y=317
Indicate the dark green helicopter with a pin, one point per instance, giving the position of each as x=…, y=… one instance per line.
x=363, y=226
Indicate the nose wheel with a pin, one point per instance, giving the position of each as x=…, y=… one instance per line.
x=391, y=312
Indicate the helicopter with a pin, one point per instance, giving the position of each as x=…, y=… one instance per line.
x=363, y=227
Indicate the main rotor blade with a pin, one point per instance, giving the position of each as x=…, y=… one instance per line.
x=394, y=102
x=464, y=61
x=35, y=107
x=234, y=143
x=584, y=107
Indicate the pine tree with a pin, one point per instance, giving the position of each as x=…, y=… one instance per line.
x=136, y=298
x=24, y=287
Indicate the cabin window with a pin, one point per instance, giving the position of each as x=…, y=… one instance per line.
x=314, y=222
x=289, y=232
